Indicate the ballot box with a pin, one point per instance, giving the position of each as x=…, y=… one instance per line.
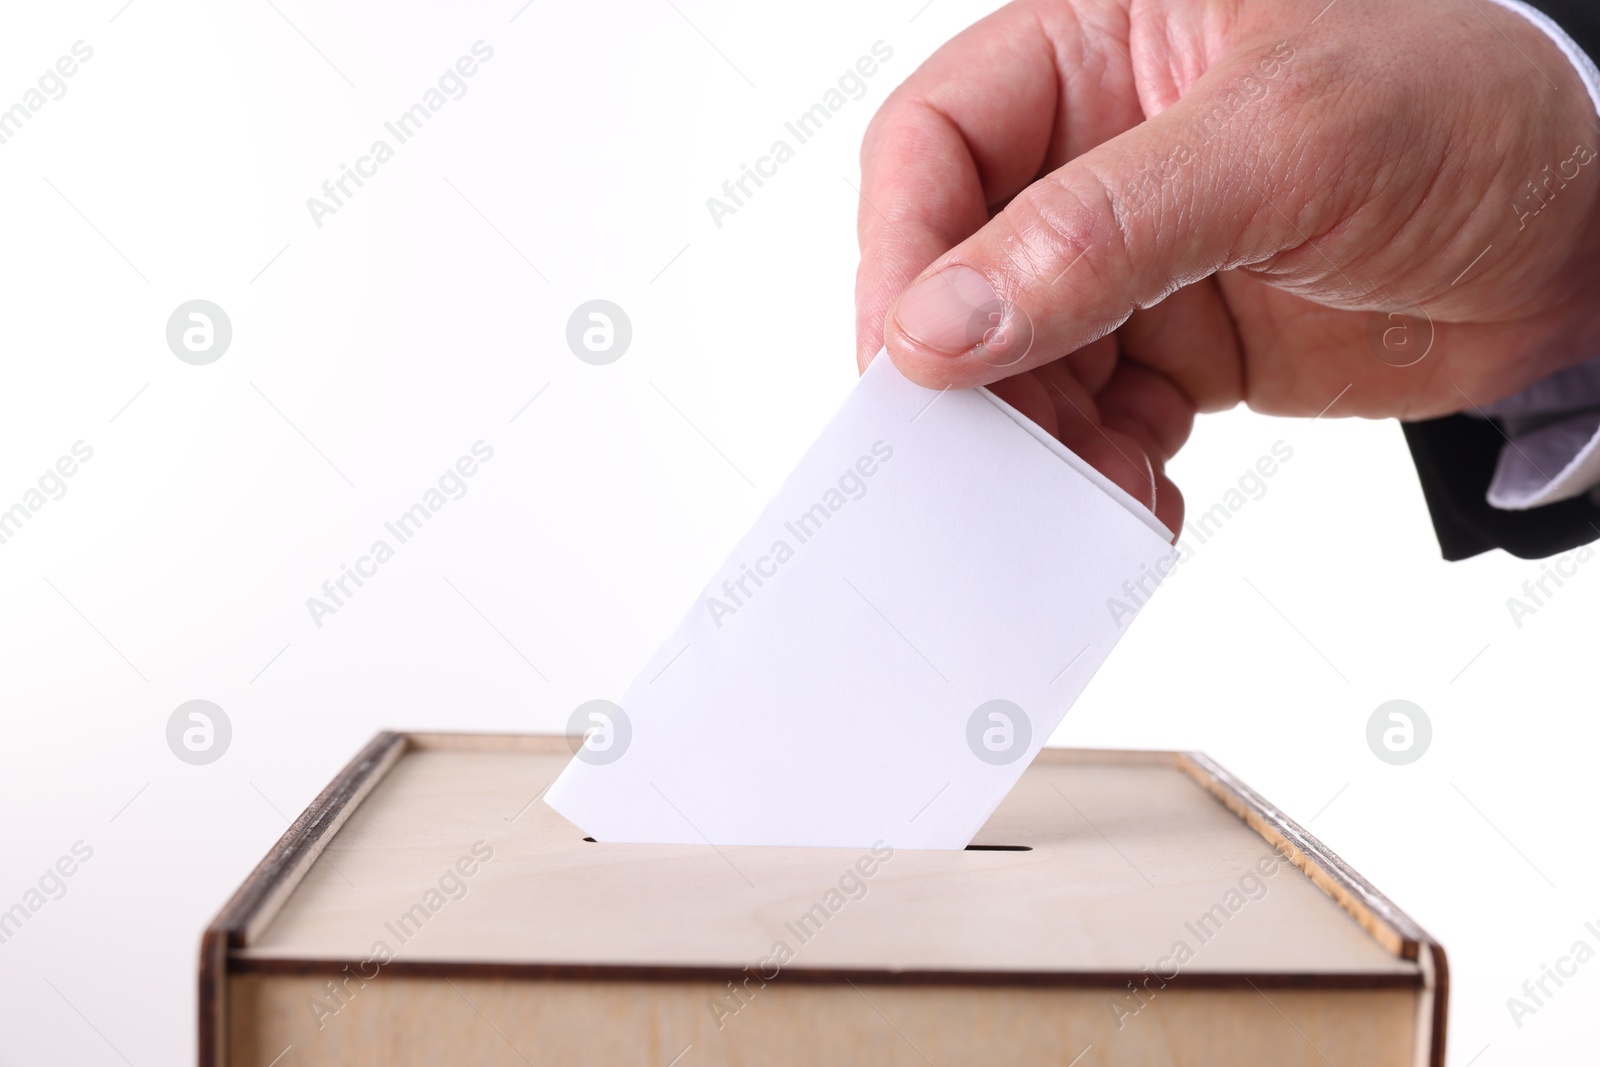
x=1140, y=908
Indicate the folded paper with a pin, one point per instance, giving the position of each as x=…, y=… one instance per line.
x=887, y=648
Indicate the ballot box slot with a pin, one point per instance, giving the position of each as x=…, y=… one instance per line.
x=969, y=848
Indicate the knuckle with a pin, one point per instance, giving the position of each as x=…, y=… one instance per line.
x=1070, y=224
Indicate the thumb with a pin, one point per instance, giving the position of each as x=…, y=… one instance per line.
x=1173, y=200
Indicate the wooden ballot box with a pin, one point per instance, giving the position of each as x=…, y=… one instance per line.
x=1138, y=908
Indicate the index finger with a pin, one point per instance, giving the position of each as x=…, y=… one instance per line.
x=972, y=127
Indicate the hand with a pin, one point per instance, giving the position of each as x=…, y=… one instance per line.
x=1264, y=205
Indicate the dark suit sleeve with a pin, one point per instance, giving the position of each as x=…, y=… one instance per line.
x=1580, y=18
x=1455, y=458
x=1456, y=455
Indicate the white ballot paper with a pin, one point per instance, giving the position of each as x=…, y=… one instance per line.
x=887, y=648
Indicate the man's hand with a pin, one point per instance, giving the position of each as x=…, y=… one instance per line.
x=1120, y=213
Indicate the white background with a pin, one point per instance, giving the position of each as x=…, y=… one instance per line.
x=374, y=351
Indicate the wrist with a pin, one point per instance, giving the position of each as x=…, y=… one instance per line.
x=1555, y=210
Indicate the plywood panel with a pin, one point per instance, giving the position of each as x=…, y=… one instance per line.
x=1130, y=859
x=399, y=1022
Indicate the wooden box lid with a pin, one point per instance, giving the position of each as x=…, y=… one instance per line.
x=1096, y=867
